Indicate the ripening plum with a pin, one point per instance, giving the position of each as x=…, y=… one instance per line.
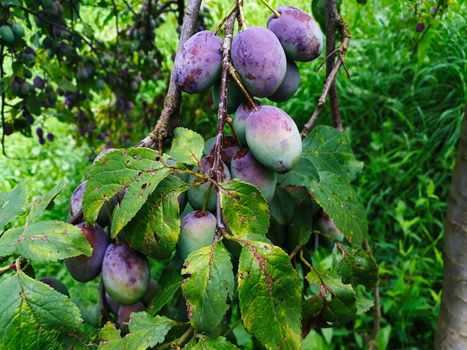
x=327, y=226
x=239, y=120
x=298, y=33
x=289, y=86
x=55, y=284
x=85, y=268
x=234, y=95
x=204, y=196
x=259, y=59
x=125, y=273
x=273, y=138
x=198, y=63
x=245, y=167
x=198, y=230
x=230, y=147
x=124, y=314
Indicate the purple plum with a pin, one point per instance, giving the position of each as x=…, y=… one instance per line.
x=289, y=86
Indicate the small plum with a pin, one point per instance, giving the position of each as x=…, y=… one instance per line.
x=260, y=60
x=85, y=268
x=124, y=314
x=125, y=273
x=420, y=27
x=273, y=138
x=298, y=33
x=55, y=284
x=245, y=167
x=204, y=196
x=230, y=147
x=198, y=63
x=198, y=230
x=289, y=86
x=239, y=120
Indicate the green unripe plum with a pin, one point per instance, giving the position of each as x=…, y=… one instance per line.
x=204, y=196
x=235, y=96
x=6, y=35
x=318, y=8
x=55, y=284
x=198, y=230
x=18, y=30
x=125, y=273
x=273, y=138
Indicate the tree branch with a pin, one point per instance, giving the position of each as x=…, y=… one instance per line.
x=173, y=98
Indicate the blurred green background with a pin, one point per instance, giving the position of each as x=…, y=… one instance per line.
x=402, y=108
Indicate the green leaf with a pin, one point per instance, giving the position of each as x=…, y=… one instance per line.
x=209, y=344
x=169, y=283
x=363, y=302
x=342, y=308
x=209, y=282
x=341, y=203
x=314, y=341
x=156, y=228
x=39, y=205
x=187, y=146
x=145, y=332
x=11, y=204
x=32, y=314
x=270, y=297
x=359, y=267
x=244, y=209
x=136, y=171
x=45, y=241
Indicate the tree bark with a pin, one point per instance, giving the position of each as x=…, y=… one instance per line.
x=452, y=323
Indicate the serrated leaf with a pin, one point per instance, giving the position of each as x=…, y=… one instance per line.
x=342, y=308
x=209, y=282
x=136, y=171
x=11, y=204
x=269, y=294
x=32, y=314
x=145, y=332
x=187, y=146
x=341, y=203
x=363, y=302
x=358, y=267
x=213, y=344
x=156, y=228
x=40, y=204
x=244, y=209
x=45, y=241
x=169, y=283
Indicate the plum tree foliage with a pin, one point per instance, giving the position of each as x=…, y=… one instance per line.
x=241, y=251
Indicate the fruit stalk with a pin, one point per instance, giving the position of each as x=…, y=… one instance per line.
x=173, y=98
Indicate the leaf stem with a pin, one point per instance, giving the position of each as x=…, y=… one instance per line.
x=265, y=3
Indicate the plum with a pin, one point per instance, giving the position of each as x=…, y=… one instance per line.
x=298, y=33
x=230, y=147
x=273, y=138
x=124, y=314
x=239, y=120
x=289, y=86
x=55, y=284
x=259, y=59
x=245, y=167
x=125, y=273
x=198, y=63
x=204, y=196
x=113, y=305
x=85, y=268
x=327, y=226
x=198, y=230
x=234, y=95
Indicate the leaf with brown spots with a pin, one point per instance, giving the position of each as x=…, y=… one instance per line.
x=132, y=173
x=244, y=209
x=269, y=294
x=187, y=146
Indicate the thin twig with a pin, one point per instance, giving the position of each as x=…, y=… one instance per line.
x=233, y=74
x=371, y=340
x=277, y=14
x=173, y=98
x=3, y=101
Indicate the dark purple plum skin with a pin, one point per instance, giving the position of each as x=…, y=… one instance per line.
x=298, y=33
x=245, y=167
x=124, y=314
x=55, y=284
x=273, y=138
x=197, y=194
x=197, y=65
x=289, y=86
x=239, y=120
x=85, y=268
x=198, y=230
x=125, y=273
x=259, y=59
x=230, y=147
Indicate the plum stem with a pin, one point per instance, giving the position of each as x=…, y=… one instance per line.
x=241, y=16
x=173, y=98
x=222, y=22
x=233, y=73
x=265, y=3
